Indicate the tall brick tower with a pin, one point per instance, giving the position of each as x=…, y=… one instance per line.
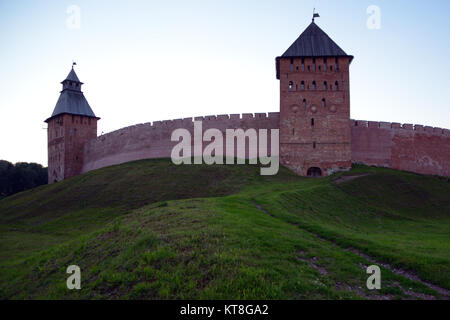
x=314, y=105
x=70, y=126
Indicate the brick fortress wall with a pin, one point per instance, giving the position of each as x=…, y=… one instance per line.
x=414, y=148
x=153, y=140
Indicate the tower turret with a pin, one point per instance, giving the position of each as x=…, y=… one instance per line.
x=71, y=125
x=314, y=105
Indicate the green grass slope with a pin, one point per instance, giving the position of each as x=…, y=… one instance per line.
x=152, y=230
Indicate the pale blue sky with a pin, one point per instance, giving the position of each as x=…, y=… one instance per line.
x=144, y=61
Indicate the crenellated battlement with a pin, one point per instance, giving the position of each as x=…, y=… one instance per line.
x=399, y=126
x=187, y=122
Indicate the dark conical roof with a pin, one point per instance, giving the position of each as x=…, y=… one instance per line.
x=314, y=42
x=72, y=76
x=72, y=100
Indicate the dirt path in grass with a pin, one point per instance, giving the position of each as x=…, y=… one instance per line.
x=444, y=293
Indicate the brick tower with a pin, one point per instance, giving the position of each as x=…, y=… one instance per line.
x=70, y=126
x=314, y=105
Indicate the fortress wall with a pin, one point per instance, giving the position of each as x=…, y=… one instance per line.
x=408, y=147
x=414, y=148
x=153, y=140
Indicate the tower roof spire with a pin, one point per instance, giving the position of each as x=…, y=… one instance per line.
x=314, y=42
x=72, y=76
x=71, y=99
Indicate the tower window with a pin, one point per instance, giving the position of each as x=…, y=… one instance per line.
x=314, y=145
x=291, y=85
x=302, y=85
x=336, y=65
x=89, y=121
x=325, y=85
x=314, y=85
x=303, y=64
x=292, y=64
x=73, y=119
x=309, y=68
x=304, y=103
x=336, y=84
x=312, y=122
x=293, y=132
x=325, y=64
x=314, y=64
x=331, y=68
x=324, y=103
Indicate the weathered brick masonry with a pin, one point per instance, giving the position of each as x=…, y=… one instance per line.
x=415, y=148
x=144, y=141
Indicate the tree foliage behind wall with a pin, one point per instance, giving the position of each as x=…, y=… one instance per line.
x=20, y=177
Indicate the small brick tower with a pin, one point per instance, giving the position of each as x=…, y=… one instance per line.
x=70, y=126
x=314, y=105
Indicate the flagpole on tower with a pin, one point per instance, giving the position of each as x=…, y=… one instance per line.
x=315, y=15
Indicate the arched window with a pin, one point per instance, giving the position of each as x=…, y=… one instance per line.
x=302, y=85
x=324, y=103
x=292, y=64
x=304, y=103
x=336, y=85
x=314, y=64
x=325, y=85
x=314, y=85
x=325, y=64
x=303, y=64
x=336, y=66
x=312, y=122
x=291, y=85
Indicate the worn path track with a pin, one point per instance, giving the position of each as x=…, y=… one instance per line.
x=444, y=293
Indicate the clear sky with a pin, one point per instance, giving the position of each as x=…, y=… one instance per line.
x=143, y=61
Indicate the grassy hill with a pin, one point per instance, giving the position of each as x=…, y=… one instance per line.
x=152, y=230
